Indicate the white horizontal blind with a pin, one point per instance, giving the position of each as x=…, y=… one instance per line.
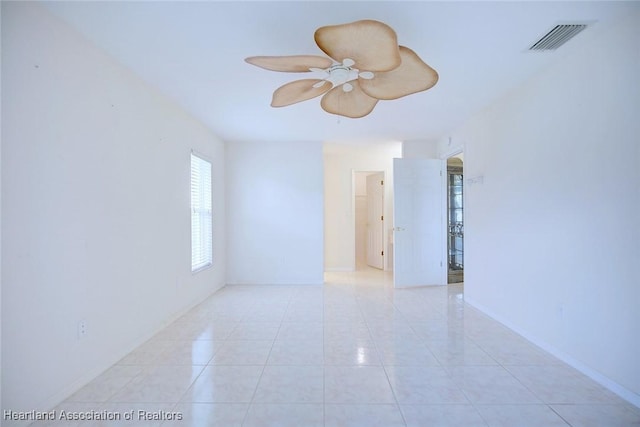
x=201, y=228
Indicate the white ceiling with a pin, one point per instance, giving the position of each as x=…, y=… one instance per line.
x=194, y=53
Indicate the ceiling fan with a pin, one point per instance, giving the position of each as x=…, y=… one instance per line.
x=365, y=64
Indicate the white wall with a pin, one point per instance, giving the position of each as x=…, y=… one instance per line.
x=275, y=205
x=95, y=214
x=551, y=234
x=421, y=149
x=340, y=162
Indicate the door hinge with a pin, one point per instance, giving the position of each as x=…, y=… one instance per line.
x=440, y=263
x=382, y=218
x=381, y=182
x=440, y=173
x=382, y=253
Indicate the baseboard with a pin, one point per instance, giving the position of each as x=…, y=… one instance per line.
x=339, y=269
x=603, y=380
x=307, y=283
x=434, y=285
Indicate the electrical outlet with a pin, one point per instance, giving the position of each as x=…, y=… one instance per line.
x=82, y=329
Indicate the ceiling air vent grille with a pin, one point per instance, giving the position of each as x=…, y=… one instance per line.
x=559, y=35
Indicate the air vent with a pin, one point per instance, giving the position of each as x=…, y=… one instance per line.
x=559, y=35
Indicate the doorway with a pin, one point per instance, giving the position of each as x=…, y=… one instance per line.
x=455, y=219
x=369, y=219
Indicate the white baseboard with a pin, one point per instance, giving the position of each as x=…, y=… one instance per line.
x=603, y=380
x=307, y=283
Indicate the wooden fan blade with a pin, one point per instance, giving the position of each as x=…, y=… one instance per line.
x=354, y=104
x=371, y=44
x=297, y=91
x=293, y=63
x=412, y=76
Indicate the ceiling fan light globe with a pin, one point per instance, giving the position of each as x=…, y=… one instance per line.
x=348, y=62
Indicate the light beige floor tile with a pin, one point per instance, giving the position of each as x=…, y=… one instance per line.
x=363, y=415
x=147, y=354
x=285, y=352
x=516, y=352
x=224, y=384
x=301, y=313
x=490, y=385
x=107, y=384
x=346, y=315
x=351, y=353
x=520, y=416
x=139, y=414
x=442, y=416
x=159, y=384
x=209, y=414
x=341, y=331
x=424, y=385
x=243, y=352
x=265, y=315
x=437, y=331
x=291, y=384
x=255, y=331
x=285, y=415
x=197, y=352
x=357, y=384
x=562, y=384
x=460, y=352
x=201, y=330
x=292, y=331
x=398, y=352
x=599, y=415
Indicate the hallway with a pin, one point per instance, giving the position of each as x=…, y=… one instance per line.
x=354, y=352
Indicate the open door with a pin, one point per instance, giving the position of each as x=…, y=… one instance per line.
x=375, y=220
x=455, y=220
x=418, y=257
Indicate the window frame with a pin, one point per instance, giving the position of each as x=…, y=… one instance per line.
x=202, y=210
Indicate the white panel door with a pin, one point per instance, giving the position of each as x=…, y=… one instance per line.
x=375, y=220
x=418, y=223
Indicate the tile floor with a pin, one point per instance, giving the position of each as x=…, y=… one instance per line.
x=354, y=352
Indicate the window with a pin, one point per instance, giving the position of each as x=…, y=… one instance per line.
x=201, y=229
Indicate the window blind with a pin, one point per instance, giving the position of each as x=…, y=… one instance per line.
x=201, y=215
